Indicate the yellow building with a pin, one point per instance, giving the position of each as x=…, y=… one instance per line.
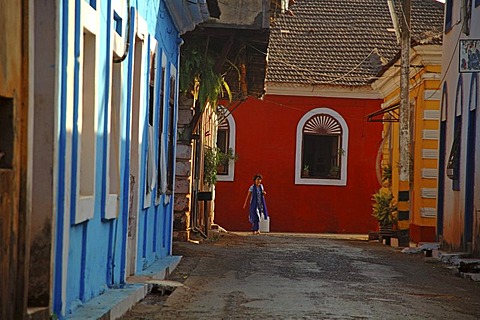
x=416, y=199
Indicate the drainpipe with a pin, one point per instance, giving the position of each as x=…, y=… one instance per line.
x=127, y=34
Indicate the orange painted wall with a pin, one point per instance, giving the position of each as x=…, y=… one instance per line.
x=265, y=143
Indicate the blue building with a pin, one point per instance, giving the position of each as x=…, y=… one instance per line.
x=91, y=106
x=117, y=113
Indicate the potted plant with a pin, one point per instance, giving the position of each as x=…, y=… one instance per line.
x=334, y=172
x=306, y=170
x=384, y=209
x=213, y=158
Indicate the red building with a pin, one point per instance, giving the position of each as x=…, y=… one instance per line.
x=309, y=136
x=267, y=137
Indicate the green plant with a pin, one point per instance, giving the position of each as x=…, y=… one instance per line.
x=213, y=157
x=198, y=75
x=384, y=208
x=334, y=172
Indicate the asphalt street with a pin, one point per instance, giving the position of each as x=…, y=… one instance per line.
x=292, y=276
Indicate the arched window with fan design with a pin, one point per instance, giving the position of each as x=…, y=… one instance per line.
x=321, y=152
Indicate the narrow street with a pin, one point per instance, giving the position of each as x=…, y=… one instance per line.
x=286, y=276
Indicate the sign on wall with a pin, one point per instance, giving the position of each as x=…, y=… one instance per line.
x=469, y=55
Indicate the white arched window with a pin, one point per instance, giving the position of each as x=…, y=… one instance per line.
x=226, y=141
x=321, y=149
x=454, y=160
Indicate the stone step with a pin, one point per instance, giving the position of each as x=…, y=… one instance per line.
x=470, y=276
x=452, y=258
x=469, y=265
x=460, y=263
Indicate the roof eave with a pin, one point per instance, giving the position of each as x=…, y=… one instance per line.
x=187, y=15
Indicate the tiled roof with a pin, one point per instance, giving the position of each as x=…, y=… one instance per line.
x=341, y=42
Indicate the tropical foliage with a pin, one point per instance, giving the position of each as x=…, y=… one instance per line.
x=384, y=207
x=212, y=159
x=198, y=75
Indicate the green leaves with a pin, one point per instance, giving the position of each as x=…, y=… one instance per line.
x=198, y=75
x=384, y=207
x=214, y=157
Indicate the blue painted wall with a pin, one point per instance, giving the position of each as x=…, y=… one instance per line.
x=90, y=256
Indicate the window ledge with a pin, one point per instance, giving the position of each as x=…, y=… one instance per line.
x=321, y=182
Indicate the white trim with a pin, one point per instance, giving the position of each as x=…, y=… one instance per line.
x=118, y=41
x=69, y=126
x=429, y=173
x=151, y=170
x=428, y=212
x=429, y=193
x=444, y=103
x=391, y=102
x=141, y=27
x=162, y=184
x=298, y=150
x=474, y=93
x=429, y=134
x=137, y=123
x=427, y=54
x=89, y=18
x=459, y=97
x=423, y=54
x=431, y=114
x=432, y=95
x=432, y=76
x=85, y=204
x=231, y=144
x=113, y=184
x=364, y=92
x=173, y=74
x=429, y=154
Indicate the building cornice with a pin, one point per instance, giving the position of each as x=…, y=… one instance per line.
x=420, y=55
x=291, y=89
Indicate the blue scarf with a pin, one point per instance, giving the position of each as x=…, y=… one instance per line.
x=258, y=205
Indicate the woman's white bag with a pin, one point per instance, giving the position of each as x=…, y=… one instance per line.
x=264, y=224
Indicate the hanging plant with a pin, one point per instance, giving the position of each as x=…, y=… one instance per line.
x=198, y=75
x=214, y=157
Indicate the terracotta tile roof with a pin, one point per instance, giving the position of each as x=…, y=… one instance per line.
x=341, y=42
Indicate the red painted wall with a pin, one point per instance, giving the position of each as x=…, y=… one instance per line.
x=265, y=143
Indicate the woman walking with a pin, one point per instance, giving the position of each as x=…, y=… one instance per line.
x=258, y=206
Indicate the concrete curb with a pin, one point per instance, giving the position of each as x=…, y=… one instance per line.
x=114, y=303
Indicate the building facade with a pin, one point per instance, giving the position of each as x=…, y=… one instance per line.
x=419, y=213
x=308, y=135
x=459, y=159
x=270, y=137
x=235, y=40
x=89, y=108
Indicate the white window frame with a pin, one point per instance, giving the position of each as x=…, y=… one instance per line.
x=114, y=126
x=171, y=187
x=231, y=145
x=344, y=145
x=118, y=41
x=162, y=149
x=150, y=168
x=85, y=203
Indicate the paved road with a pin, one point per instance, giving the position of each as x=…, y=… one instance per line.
x=280, y=276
